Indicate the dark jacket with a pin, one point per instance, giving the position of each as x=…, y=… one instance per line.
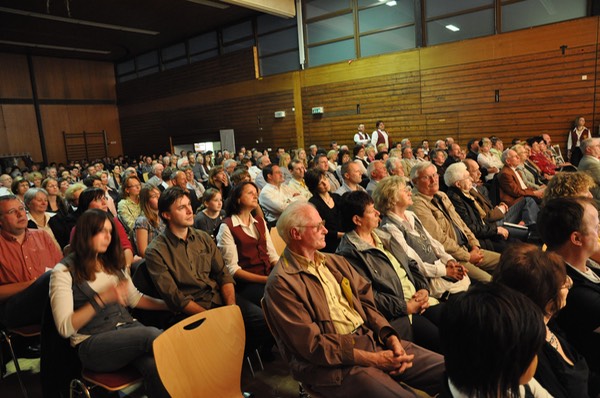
x=465, y=207
x=374, y=265
x=581, y=316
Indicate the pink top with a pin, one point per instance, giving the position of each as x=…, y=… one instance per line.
x=26, y=261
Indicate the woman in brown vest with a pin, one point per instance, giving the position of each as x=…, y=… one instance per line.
x=578, y=134
x=245, y=242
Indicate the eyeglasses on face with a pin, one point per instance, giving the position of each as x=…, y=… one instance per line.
x=317, y=226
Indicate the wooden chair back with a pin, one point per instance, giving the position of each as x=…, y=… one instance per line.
x=202, y=355
x=277, y=241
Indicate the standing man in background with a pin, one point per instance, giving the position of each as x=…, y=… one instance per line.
x=361, y=138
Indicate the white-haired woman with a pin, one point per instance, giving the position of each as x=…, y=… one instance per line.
x=487, y=160
x=490, y=235
x=36, y=202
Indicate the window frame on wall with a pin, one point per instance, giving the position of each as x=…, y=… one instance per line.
x=350, y=10
x=268, y=32
x=360, y=34
x=220, y=44
x=426, y=20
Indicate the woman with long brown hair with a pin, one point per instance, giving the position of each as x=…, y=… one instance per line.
x=89, y=292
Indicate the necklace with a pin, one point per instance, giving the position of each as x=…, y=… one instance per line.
x=553, y=341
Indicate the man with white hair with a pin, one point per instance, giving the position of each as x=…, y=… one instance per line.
x=376, y=172
x=156, y=179
x=440, y=219
x=182, y=163
x=440, y=144
x=590, y=162
x=324, y=319
x=256, y=171
x=513, y=188
x=394, y=167
x=5, y=184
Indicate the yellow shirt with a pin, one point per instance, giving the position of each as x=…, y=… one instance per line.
x=408, y=289
x=345, y=318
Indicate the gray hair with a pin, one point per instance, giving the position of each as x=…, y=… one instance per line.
x=585, y=144
x=454, y=172
x=181, y=161
x=396, y=153
x=371, y=167
x=156, y=166
x=228, y=163
x=418, y=168
x=31, y=193
x=289, y=218
x=505, y=155
x=392, y=164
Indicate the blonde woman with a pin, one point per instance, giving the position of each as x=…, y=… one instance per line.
x=35, y=178
x=129, y=207
x=284, y=162
x=301, y=155
x=148, y=225
x=444, y=274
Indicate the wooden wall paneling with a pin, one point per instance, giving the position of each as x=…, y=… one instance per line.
x=76, y=119
x=55, y=120
x=226, y=69
x=537, y=93
x=395, y=99
x=14, y=77
x=511, y=44
x=4, y=148
x=412, y=91
x=58, y=78
x=21, y=130
x=252, y=118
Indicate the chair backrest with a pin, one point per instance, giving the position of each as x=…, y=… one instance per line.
x=277, y=241
x=59, y=361
x=202, y=355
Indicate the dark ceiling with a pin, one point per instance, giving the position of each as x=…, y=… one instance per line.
x=161, y=23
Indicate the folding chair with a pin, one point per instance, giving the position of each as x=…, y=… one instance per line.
x=5, y=336
x=111, y=381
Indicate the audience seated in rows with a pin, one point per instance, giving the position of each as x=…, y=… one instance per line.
x=335, y=340
x=328, y=206
x=400, y=291
x=436, y=212
x=25, y=256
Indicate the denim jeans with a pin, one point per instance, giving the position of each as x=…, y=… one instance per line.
x=127, y=344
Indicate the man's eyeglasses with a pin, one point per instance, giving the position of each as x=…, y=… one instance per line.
x=318, y=226
x=431, y=177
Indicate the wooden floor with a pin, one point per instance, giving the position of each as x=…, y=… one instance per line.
x=274, y=381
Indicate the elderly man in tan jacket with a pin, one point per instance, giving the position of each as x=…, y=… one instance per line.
x=436, y=212
x=323, y=316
